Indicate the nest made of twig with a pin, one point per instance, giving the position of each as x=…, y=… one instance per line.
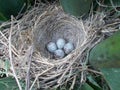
x=49, y=27
x=24, y=42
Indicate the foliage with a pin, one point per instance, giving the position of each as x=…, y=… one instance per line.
x=107, y=53
x=76, y=7
x=112, y=76
x=86, y=87
x=105, y=56
x=12, y=7
x=8, y=83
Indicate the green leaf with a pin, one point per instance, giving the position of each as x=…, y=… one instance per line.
x=107, y=53
x=112, y=77
x=2, y=17
x=8, y=83
x=92, y=82
x=112, y=3
x=76, y=7
x=11, y=7
x=86, y=87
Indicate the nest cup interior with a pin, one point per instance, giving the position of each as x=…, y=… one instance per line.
x=54, y=26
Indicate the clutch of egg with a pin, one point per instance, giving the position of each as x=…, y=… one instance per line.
x=60, y=48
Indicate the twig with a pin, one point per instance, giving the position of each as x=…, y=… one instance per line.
x=90, y=70
x=114, y=6
x=73, y=83
x=38, y=76
x=11, y=60
x=82, y=77
x=59, y=81
x=14, y=51
x=103, y=5
x=28, y=71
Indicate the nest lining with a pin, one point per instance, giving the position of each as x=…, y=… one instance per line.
x=57, y=25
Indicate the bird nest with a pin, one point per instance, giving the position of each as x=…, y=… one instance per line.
x=24, y=46
x=50, y=26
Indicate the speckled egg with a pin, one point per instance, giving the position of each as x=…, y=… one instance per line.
x=60, y=43
x=68, y=47
x=59, y=53
x=51, y=47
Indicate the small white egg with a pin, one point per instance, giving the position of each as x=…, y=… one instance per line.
x=51, y=47
x=59, y=53
x=68, y=47
x=60, y=43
